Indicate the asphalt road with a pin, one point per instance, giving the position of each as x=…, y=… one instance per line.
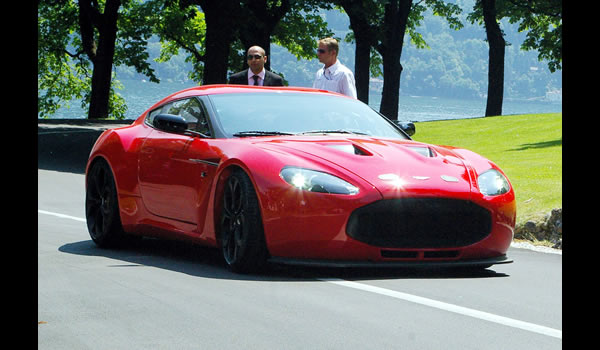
x=167, y=295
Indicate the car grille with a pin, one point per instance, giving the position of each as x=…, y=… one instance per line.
x=420, y=223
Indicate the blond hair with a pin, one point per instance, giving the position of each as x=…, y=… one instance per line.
x=331, y=44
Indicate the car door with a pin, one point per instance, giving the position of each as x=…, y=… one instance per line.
x=175, y=170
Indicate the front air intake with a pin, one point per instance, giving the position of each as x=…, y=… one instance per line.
x=420, y=223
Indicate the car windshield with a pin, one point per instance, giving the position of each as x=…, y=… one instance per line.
x=282, y=113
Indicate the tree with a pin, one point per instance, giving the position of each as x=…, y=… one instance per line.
x=180, y=25
x=363, y=16
x=262, y=16
x=394, y=25
x=221, y=43
x=100, y=49
x=301, y=27
x=542, y=20
x=495, y=38
x=382, y=25
x=61, y=73
x=221, y=22
x=72, y=37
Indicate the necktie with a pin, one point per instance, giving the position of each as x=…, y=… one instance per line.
x=255, y=77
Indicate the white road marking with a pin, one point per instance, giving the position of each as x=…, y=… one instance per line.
x=61, y=215
x=531, y=327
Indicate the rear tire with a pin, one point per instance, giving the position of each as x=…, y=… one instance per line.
x=102, y=207
x=241, y=230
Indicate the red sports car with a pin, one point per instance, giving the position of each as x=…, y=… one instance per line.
x=299, y=176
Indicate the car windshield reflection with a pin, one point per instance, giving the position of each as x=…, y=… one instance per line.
x=250, y=114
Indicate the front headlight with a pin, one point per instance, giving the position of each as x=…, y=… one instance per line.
x=316, y=181
x=493, y=183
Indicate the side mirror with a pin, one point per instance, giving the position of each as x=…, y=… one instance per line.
x=170, y=123
x=407, y=127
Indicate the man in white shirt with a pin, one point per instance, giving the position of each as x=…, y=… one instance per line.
x=334, y=76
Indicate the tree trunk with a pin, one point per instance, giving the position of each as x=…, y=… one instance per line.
x=394, y=24
x=362, y=66
x=364, y=36
x=259, y=37
x=390, y=95
x=497, y=46
x=220, y=26
x=258, y=24
x=217, y=53
x=102, y=55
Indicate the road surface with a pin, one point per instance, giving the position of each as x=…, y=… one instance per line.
x=168, y=295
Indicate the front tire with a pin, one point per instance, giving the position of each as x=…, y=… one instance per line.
x=102, y=207
x=241, y=230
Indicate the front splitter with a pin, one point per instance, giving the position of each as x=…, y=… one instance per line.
x=391, y=264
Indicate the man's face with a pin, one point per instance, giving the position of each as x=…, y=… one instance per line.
x=325, y=56
x=256, y=64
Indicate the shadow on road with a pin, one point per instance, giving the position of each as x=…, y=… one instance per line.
x=206, y=262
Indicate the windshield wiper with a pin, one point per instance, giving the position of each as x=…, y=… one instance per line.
x=338, y=131
x=260, y=133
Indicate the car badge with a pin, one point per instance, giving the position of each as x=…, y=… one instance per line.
x=449, y=178
x=421, y=177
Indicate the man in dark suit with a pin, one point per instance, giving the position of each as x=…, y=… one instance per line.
x=256, y=74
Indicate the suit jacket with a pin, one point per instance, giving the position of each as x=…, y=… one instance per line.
x=271, y=79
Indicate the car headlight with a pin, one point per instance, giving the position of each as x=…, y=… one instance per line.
x=493, y=183
x=316, y=181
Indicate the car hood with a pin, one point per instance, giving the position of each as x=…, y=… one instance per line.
x=394, y=167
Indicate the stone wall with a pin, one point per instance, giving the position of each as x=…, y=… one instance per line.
x=549, y=229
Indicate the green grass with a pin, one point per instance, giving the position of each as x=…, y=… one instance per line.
x=528, y=148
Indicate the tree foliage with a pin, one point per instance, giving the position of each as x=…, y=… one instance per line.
x=184, y=24
x=380, y=27
x=541, y=20
x=72, y=50
x=62, y=72
x=181, y=28
x=70, y=35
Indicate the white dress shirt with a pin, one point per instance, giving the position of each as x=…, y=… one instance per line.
x=336, y=78
x=261, y=78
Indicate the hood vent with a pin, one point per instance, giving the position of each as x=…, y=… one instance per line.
x=351, y=148
x=424, y=151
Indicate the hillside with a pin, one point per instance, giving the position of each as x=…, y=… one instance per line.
x=454, y=65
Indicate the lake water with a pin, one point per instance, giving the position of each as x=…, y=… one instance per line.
x=141, y=95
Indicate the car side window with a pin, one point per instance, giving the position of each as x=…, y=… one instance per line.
x=194, y=110
x=191, y=110
x=151, y=115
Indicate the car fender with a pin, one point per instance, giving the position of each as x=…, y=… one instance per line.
x=119, y=148
x=505, y=206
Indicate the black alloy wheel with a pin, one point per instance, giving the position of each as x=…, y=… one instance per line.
x=102, y=207
x=242, y=236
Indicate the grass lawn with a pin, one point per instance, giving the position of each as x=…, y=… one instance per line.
x=528, y=148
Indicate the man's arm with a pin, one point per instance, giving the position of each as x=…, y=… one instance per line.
x=347, y=84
